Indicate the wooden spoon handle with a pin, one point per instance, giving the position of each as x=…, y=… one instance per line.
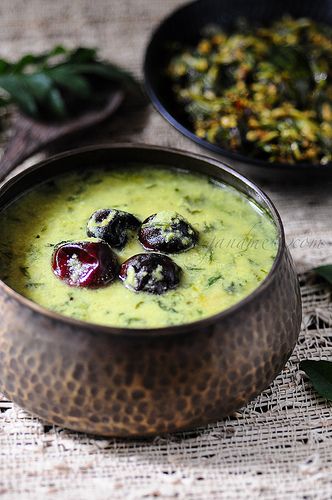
x=25, y=141
x=31, y=136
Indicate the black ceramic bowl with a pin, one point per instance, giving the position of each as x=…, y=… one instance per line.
x=125, y=382
x=184, y=26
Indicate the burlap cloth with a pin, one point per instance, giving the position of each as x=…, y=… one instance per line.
x=279, y=446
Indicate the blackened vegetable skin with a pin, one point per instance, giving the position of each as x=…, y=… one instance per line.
x=112, y=226
x=150, y=272
x=168, y=232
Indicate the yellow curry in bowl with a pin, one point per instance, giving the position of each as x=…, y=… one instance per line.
x=235, y=246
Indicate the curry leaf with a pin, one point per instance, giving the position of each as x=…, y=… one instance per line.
x=39, y=85
x=320, y=374
x=84, y=54
x=4, y=65
x=107, y=71
x=16, y=87
x=325, y=272
x=26, y=61
x=61, y=82
x=67, y=78
x=56, y=103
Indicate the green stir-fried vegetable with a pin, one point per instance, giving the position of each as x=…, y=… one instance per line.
x=264, y=92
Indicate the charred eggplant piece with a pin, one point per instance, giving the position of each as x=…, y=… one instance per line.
x=112, y=226
x=150, y=272
x=167, y=231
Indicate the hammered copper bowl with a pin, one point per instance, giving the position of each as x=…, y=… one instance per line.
x=127, y=382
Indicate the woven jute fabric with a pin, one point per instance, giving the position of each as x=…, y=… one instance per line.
x=277, y=447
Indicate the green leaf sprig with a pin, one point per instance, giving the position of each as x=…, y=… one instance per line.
x=59, y=83
x=325, y=272
x=320, y=372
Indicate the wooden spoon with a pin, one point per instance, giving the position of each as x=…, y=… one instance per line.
x=30, y=136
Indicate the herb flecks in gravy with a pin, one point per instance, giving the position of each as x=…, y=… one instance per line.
x=236, y=247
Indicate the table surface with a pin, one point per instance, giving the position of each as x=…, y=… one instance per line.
x=279, y=446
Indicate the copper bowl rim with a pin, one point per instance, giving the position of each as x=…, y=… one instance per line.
x=156, y=331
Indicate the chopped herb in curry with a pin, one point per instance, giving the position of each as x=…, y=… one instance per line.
x=219, y=270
